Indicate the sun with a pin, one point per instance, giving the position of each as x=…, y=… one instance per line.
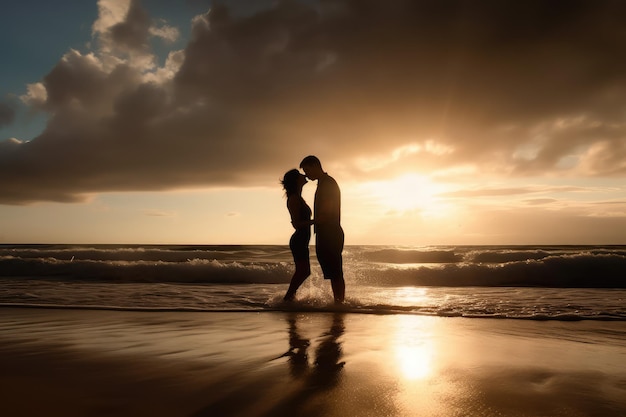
x=408, y=192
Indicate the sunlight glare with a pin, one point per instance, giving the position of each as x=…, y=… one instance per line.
x=414, y=349
x=412, y=296
x=415, y=361
x=408, y=192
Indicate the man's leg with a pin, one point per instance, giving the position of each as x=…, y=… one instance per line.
x=336, y=272
x=339, y=289
x=328, y=248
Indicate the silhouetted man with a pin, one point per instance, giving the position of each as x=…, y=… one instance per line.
x=327, y=225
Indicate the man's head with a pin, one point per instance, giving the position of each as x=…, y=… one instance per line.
x=312, y=167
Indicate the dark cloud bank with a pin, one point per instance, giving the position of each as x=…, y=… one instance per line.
x=521, y=88
x=7, y=114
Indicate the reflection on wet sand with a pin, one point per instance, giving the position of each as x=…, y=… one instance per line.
x=322, y=374
x=163, y=364
x=327, y=364
x=298, y=349
x=414, y=348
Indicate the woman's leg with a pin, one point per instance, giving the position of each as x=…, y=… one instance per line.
x=303, y=270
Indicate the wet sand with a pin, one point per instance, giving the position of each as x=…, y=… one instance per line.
x=113, y=363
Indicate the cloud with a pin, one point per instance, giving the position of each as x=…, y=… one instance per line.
x=509, y=191
x=158, y=213
x=524, y=88
x=7, y=114
x=167, y=33
x=541, y=201
x=36, y=95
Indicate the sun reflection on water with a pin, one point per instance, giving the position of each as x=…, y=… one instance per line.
x=416, y=355
x=415, y=362
x=413, y=347
x=412, y=296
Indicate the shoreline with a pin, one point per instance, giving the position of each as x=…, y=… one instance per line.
x=98, y=363
x=313, y=309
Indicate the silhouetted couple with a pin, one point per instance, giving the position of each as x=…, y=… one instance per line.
x=326, y=221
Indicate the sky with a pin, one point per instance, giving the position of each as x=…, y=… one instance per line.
x=443, y=121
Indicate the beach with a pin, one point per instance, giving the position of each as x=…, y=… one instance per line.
x=60, y=362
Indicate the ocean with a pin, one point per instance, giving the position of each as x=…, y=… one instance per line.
x=563, y=283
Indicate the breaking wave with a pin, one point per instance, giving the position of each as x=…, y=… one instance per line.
x=561, y=267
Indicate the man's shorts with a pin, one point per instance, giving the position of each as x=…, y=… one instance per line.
x=328, y=247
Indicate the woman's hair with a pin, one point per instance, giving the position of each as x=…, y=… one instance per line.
x=290, y=182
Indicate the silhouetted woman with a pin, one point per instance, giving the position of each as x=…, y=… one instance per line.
x=300, y=213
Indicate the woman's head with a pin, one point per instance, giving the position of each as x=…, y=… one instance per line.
x=293, y=181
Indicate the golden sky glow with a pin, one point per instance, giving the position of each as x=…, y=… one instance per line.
x=169, y=124
x=408, y=192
